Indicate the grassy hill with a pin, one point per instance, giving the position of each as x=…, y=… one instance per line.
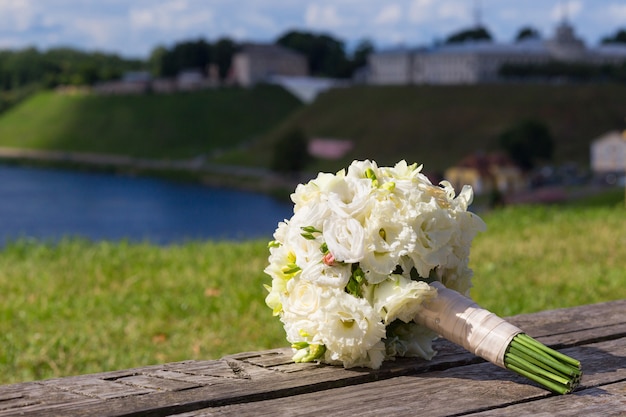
x=179, y=125
x=438, y=125
x=434, y=125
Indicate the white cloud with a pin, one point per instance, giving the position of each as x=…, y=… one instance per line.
x=615, y=13
x=420, y=10
x=454, y=11
x=18, y=15
x=566, y=10
x=390, y=14
x=259, y=20
x=322, y=16
x=100, y=32
x=174, y=15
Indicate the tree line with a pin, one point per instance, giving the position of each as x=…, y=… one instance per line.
x=60, y=66
x=327, y=56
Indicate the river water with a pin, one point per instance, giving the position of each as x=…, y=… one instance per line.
x=48, y=204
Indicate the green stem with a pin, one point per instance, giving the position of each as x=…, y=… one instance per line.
x=547, y=367
x=524, y=338
x=519, y=361
x=558, y=388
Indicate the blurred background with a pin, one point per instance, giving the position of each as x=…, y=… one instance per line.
x=148, y=150
x=523, y=102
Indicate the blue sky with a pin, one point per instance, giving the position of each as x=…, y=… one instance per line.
x=133, y=28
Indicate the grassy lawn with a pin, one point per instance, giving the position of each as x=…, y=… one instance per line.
x=79, y=307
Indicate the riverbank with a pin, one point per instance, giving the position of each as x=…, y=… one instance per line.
x=196, y=170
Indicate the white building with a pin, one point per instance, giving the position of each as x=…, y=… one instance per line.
x=608, y=154
x=477, y=62
x=259, y=62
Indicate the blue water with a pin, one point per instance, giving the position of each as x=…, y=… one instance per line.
x=50, y=204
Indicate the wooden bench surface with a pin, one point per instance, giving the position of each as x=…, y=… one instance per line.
x=455, y=382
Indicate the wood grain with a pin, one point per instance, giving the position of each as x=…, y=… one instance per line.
x=455, y=382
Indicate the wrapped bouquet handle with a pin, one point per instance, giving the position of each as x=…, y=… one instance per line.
x=463, y=322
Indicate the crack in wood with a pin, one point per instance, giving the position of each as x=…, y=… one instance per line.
x=238, y=370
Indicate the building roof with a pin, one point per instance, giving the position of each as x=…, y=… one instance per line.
x=268, y=49
x=487, y=47
x=564, y=37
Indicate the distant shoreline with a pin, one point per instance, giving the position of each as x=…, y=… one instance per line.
x=188, y=170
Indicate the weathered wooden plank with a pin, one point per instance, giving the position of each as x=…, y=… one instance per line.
x=155, y=383
x=575, y=319
x=606, y=401
x=457, y=391
x=29, y=398
x=96, y=388
x=256, y=376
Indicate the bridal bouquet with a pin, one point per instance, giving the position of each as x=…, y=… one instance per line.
x=373, y=264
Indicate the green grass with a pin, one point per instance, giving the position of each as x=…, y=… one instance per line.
x=181, y=125
x=535, y=258
x=78, y=307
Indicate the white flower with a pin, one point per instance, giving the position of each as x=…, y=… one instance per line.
x=304, y=298
x=350, y=197
x=372, y=359
x=336, y=275
x=349, y=327
x=345, y=238
x=434, y=228
x=311, y=193
x=399, y=298
x=388, y=237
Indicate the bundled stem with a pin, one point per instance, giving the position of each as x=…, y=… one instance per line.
x=551, y=369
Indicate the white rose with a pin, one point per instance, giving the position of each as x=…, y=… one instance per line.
x=350, y=197
x=304, y=298
x=345, y=238
x=399, y=298
x=310, y=193
x=434, y=228
x=336, y=275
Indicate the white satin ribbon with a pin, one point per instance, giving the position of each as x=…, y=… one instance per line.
x=462, y=321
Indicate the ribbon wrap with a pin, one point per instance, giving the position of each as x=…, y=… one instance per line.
x=461, y=321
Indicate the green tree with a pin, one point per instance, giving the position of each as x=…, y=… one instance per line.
x=619, y=37
x=363, y=49
x=527, y=32
x=156, y=61
x=478, y=33
x=223, y=51
x=291, y=152
x=528, y=142
x=326, y=55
